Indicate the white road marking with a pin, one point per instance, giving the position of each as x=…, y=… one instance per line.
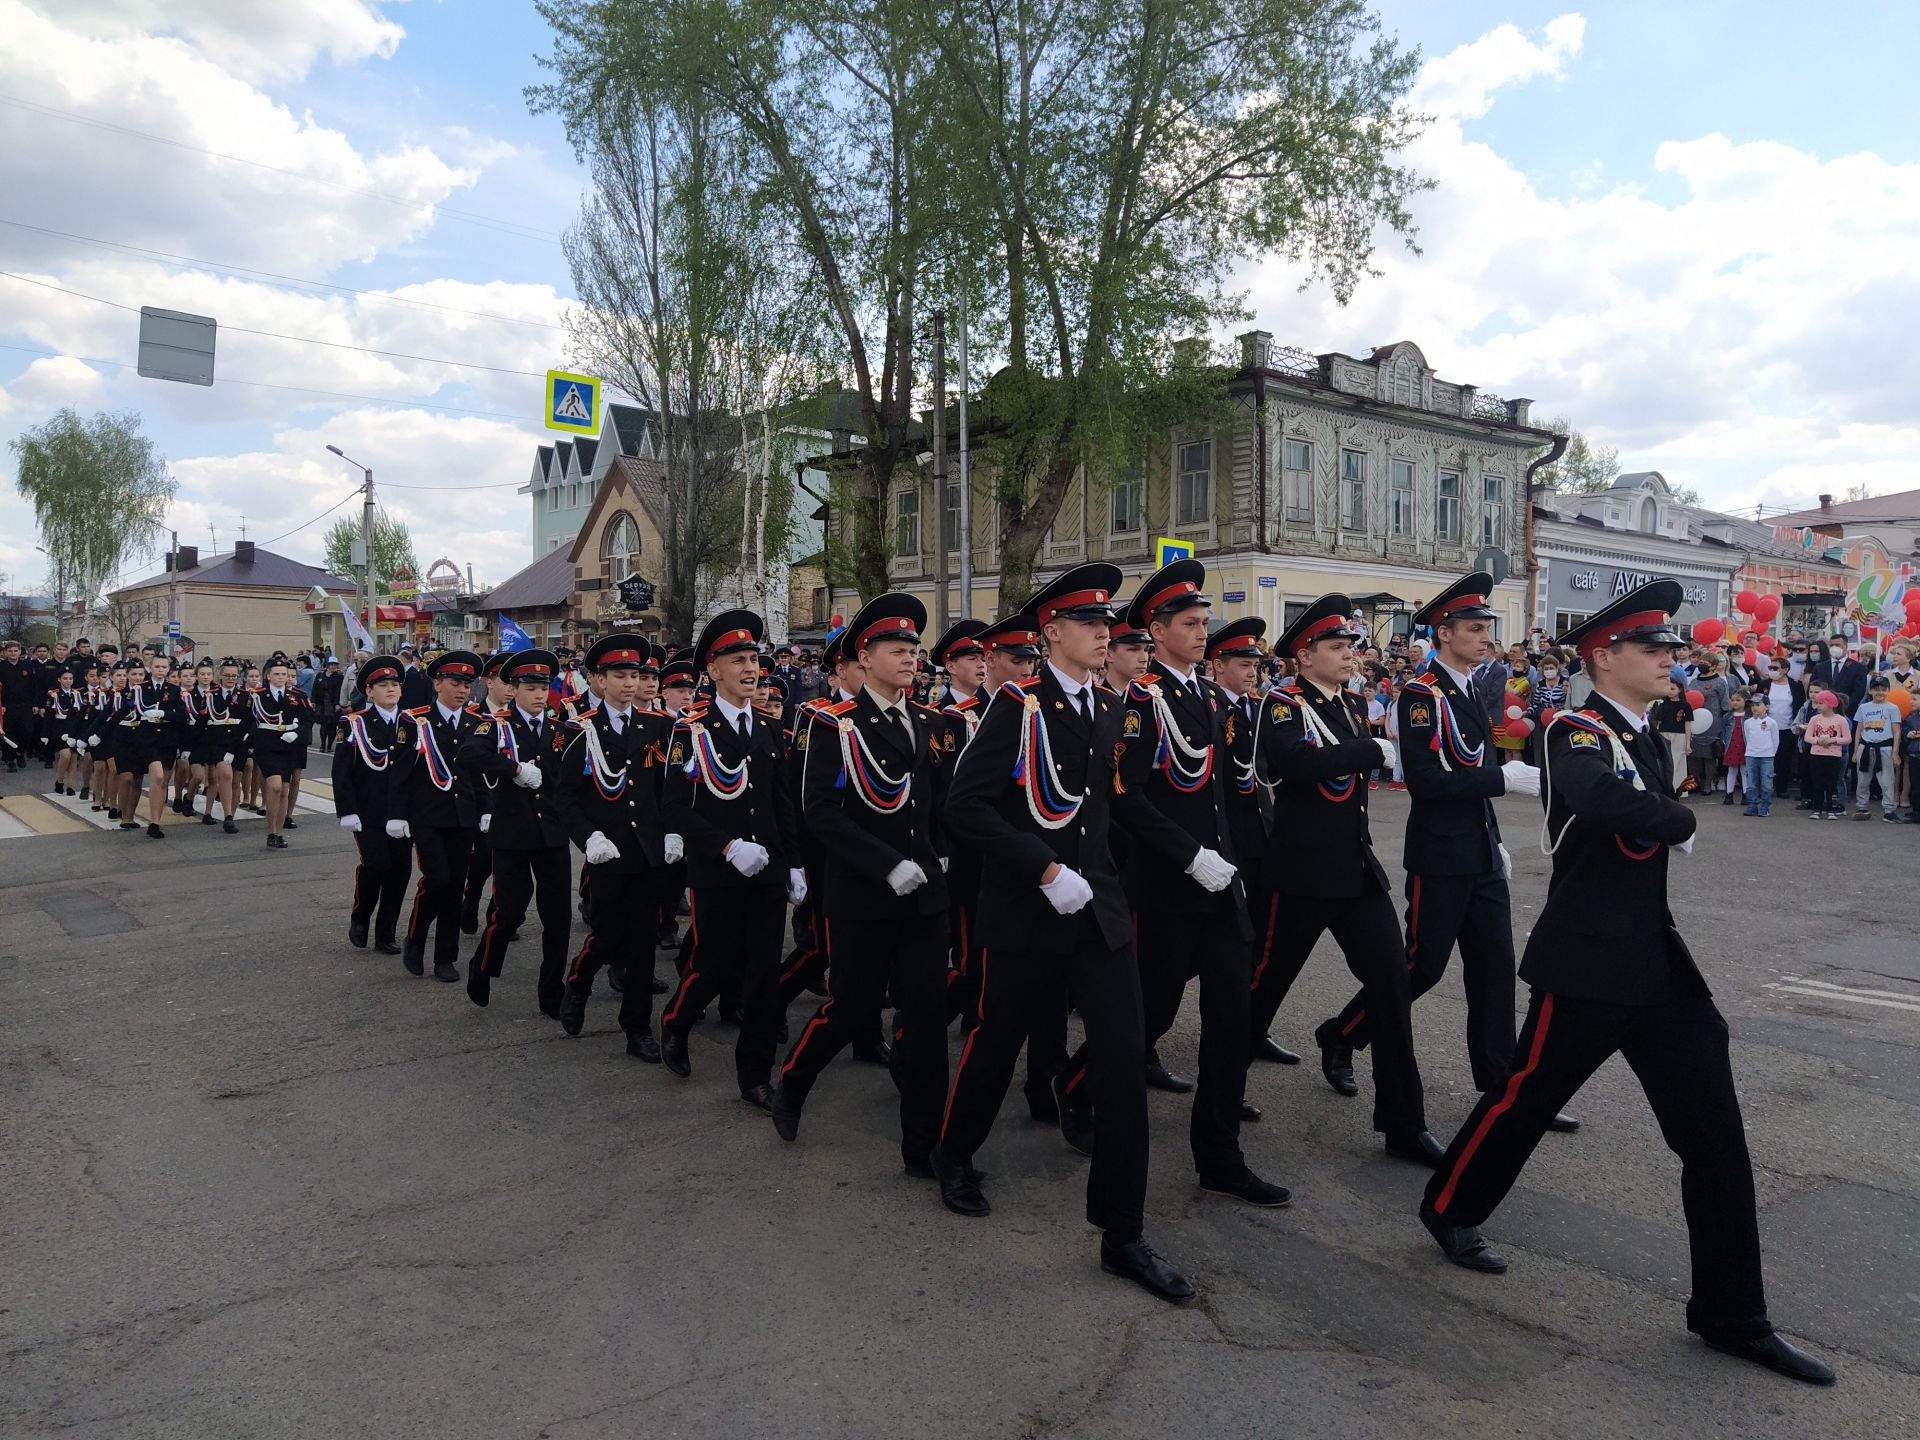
x=1815, y=991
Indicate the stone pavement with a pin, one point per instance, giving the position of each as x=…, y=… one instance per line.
x=256, y=1183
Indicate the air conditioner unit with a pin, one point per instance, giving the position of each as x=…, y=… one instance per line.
x=476, y=625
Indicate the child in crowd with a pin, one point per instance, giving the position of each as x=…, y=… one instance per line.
x=1391, y=727
x=1825, y=738
x=1876, y=726
x=1760, y=738
x=1733, y=746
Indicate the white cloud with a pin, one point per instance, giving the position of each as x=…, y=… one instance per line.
x=266, y=39
x=1747, y=338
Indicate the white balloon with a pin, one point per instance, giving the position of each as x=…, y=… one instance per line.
x=1702, y=721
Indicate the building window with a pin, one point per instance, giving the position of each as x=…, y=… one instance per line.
x=820, y=602
x=906, y=522
x=1353, y=490
x=620, y=548
x=1493, y=510
x=1195, y=502
x=1565, y=620
x=1446, y=521
x=1400, y=498
x=1296, y=482
x=553, y=499
x=1127, y=504
x=950, y=517
x=573, y=495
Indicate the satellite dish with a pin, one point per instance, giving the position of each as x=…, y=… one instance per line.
x=1494, y=561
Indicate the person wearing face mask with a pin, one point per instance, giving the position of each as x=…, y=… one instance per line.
x=1548, y=694
x=363, y=800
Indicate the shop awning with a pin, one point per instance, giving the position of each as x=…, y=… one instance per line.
x=394, y=614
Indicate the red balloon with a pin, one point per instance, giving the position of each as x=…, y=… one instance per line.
x=1912, y=601
x=1695, y=699
x=1708, y=630
x=1752, y=658
x=1548, y=716
x=1765, y=644
x=838, y=621
x=1519, y=729
x=1768, y=609
x=1746, y=602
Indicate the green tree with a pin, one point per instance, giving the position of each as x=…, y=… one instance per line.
x=1122, y=158
x=99, y=491
x=392, y=549
x=1584, y=468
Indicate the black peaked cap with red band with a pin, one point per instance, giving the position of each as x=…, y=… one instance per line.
x=380, y=667
x=726, y=633
x=962, y=638
x=1237, y=639
x=618, y=652
x=1322, y=620
x=525, y=667
x=1174, y=587
x=1643, y=615
x=1123, y=631
x=454, y=665
x=833, y=650
x=1083, y=593
x=893, y=616
x=1464, y=599
x=494, y=662
x=1017, y=635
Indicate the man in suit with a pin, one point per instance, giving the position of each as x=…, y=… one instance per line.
x=871, y=791
x=1457, y=868
x=361, y=798
x=1032, y=798
x=1314, y=745
x=1610, y=973
x=433, y=805
x=416, y=688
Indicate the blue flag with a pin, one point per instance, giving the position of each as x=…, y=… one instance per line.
x=512, y=637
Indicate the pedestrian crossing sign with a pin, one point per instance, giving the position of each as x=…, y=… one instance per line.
x=573, y=402
x=1166, y=551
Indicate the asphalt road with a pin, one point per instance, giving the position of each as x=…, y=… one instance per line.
x=256, y=1183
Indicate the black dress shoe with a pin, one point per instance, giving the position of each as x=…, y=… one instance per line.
x=1137, y=1261
x=289, y=824
x=673, y=1050
x=415, y=959
x=1777, y=1353
x=357, y=936
x=470, y=922
x=446, y=974
x=1076, y=1121
x=386, y=947
x=1042, y=1106
x=959, y=1189
x=206, y=819
x=644, y=1047
x=550, y=1006
x=874, y=1052
x=1563, y=1124
x=1246, y=1186
x=1248, y=1111
x=154, y=832
x=916, y=1169
x=1420, y=1148
x=1336, y=1063
x=660, y=987
x=573, y=1010
x=1464, y=1245
x=759, y=1096
x=786, y=1123
x=228, y=827
x=1268, y=1048
x=479, y=983
x=1161, y=1078
x=617, y=979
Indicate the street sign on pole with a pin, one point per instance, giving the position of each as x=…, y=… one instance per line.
x=173, y=629
x=573, y=402
x=176, y=346
x=1166, y=551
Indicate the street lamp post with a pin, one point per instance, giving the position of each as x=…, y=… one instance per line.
x=366, y=537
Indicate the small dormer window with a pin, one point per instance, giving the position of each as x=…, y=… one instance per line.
x=1406, y=383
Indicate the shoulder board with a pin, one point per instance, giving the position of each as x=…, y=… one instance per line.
x=835, y=709
x=479, y=710
x=577, y=723
x=929, y=709
x=418, y=712
x=960, y=707
x=1018, y=688
x=1583, y=720
x=1421, y=685
x=1106, y=689
x=1032, y=682
x=351, y=713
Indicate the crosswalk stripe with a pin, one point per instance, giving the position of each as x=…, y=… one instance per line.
x=40, y=817
x=1908, y=995
x=1847, y=995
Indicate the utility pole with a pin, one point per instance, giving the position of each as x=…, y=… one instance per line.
x=966, y=480
x=173, y=589
x=366, y=537
x=940, y=536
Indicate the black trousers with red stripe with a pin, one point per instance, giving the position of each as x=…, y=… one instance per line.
x=1678, y=1051
x=1174, y=949
x=808, y=964
x=1017, y=991
x=380, y=884
x=963, y=977
x=1368, y=934
x=443, y=852
x=735, y=930
x=522, y=878
x=1476, y=913
x=871, y=958
x=624, y=933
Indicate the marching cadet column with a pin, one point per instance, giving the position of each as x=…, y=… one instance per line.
x=362, y=798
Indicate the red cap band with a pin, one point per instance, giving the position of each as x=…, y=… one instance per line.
x=881, y=629
x=1172, y=592
x=454, y=672
x=1314, y=631
x=732, y=637
x=1011, y=637
x=1069, y=602
x=1601, y=639
x=622, y=657
x=527, y=674
x=1459, y=602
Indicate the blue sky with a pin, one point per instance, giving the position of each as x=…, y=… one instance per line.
x=1688, y=227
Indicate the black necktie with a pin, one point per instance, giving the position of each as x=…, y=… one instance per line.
x=1084, y=706
x=536, y=732
x=740, y=724
x=1193, y=685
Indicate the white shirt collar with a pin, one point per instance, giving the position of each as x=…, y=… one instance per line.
x=1071, y=686
x=618, y=717
x=732, y=713
x=445, y=714
x=1461, y=678
x=1639, y=722
x=530, y=719
x=1185, y=680
x=898, y=707
x=955, y=694
x=275, y=690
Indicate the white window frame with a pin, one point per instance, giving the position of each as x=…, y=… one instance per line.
x=1132, y=483
x=1296, y=482
x=1493, y=510
x=1445, y=532
x=632, y=558
x=1353, y=490
x=906, y=504
x=553, y=499
x=1185, y=476
x=1399, y=497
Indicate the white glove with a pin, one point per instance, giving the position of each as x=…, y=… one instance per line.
x=153, y=712
x=350, y=822
x=943, y=864
x=796, y=886
x=749, y=857
x=1521, y=778
x=1213, y=870
x=287, y=737
x=1386, y=751
x=227, y=759
x=485, y=822
x=1506, y=864
x=399, y=830
x=67, y=740
x=906, y=877
x=600, y=849
x=1068, y=891
x=1685, y=847
x=528, y=776
x=674, y=849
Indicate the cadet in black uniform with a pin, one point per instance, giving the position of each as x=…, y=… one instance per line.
x=273, y=728
x=608, y=791
x=150, y=724
x=433, y=805
x=1314, y=746
x=872, y=791
x=727, y=801
x=1031, y=796
x=473, y=886
x=1457, y=869
x=362, y=797
x=964, y=659
x=1610, y=973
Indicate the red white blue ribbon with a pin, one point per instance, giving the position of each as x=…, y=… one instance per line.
x=861, y=769
x=374, y=757
x=438, y=770
x=706, y=766
x=1052, y=806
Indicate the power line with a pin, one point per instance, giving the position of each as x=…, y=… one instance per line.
x=364, y=295
x=316, y=519
x=295, y=339
x=509, y=227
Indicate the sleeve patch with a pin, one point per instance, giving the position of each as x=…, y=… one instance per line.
x=1585, y=737
x=1419, y=715
x=1131, y=725
x=1281, y=711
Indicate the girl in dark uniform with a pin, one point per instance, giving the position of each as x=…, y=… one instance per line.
x=276, y=735
x=149, y=724
x=65, y=716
